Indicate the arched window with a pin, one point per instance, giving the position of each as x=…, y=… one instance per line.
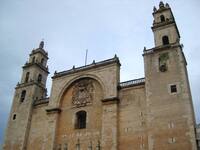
x=39, y=78
x=14, y=116
x=165, y=40
x=33, y=59
x=23, y=95
x=162, y=18
x=42, y=61
x=27, y=77
x=81, y=120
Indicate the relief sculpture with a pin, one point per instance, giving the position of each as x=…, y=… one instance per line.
x=82, y=93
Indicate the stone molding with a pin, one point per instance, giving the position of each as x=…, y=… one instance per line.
x=45, y=69
x=22, y=85
x=87, y=67
x=112, y=100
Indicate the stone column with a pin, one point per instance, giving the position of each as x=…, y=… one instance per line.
x=109, y=124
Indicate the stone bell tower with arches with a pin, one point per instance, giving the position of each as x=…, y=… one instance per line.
x=164, y=26
x=170, y=113
x=31, y=88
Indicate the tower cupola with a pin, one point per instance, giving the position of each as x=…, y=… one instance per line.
x=164, y=26
x=35, y=71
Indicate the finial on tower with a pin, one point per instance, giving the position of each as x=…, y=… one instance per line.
x=161, y=5
x=154, y=9
x=41, y=44
x=167, y=5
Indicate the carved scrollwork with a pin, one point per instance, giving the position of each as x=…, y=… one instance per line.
x=82, y=93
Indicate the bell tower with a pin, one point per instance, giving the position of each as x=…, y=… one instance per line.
x=170, y=114
x=164, y=26
x=36, y=70
x=31, y=88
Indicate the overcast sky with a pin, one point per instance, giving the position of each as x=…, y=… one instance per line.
x=104, y=27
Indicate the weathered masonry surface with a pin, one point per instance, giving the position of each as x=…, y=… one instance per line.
x=90, y=109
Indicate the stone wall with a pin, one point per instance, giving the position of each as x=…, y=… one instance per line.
x=170, y=119
x=132, y=118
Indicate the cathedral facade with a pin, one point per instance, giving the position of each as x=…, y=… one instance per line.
x=90, y=109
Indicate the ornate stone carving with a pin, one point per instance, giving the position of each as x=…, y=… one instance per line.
x=82, y=93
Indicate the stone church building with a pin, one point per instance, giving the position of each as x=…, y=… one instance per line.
x=90, y=109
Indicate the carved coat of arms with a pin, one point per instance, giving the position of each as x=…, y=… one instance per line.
x=82, y=93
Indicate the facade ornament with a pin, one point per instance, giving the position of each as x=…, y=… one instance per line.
x=154, y=9
x=41, y=46
x=82, y=93
x=161, y=5
x=167, y=5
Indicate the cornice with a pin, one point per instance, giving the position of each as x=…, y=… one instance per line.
x=45, y=69
x=114, y=60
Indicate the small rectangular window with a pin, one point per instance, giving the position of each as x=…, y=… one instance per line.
x=173, y=89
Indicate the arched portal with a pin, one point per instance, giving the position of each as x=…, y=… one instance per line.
x=81, y=114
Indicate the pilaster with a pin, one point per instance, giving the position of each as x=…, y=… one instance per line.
x=110, y=124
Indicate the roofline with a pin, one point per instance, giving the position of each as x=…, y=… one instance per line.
x=131, y=83
x=162, y=47
x=88, y=67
